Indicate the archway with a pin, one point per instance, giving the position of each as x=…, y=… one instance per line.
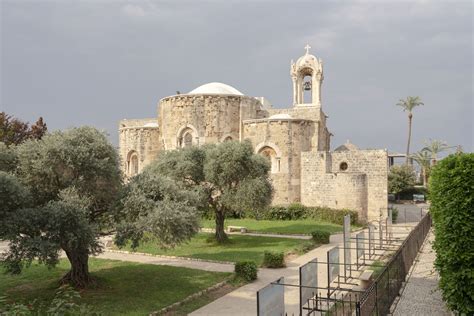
x=270, y=154
x=132, y=163
x=187, y=136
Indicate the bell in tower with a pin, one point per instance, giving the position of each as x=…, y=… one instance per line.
x=307, y=75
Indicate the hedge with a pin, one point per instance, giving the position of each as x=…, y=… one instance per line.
x=273, y=259
x=298, y=211
x=246, y=270
x=452, y=207
x=321, y=237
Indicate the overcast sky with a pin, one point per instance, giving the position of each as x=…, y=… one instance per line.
x=96, y=62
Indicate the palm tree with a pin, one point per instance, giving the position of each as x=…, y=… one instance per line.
x=408, y=105
x=435, y=147
x=423, y=158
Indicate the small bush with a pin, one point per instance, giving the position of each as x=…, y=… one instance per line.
x=394, y=214
x=321, y=237
x=246, y=270
x=273, y=259
x=452, y=205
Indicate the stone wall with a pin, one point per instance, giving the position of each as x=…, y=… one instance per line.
x=211, y=118
x=288, y=138
x=136, y=137
x=362, y=186
x=374, y=163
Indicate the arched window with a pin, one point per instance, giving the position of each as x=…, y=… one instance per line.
x=186, y=137
x=132, y=163
x=187, y=140
x=270, y=154
x=228, y=139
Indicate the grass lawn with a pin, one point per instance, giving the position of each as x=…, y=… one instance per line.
x=240, y=247
x=303, y=226
x=123, y=288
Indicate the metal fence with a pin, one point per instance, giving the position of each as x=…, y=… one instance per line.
x=378, y=298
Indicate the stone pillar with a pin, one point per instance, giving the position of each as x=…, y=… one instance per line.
x=295, y=91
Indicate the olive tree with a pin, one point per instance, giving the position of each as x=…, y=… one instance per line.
x=229, y=176
x=73, y=179
x=157, y=207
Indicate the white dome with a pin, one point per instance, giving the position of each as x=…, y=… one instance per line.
x=215, y=88
x=151, y=124
x=281, y=116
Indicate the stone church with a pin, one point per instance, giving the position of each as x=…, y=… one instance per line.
x=296, y=140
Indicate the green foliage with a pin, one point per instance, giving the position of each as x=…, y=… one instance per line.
x=8, y=158
x=13, y=196
x=321, y=237
x=158, y=207
x=452, y=205
x=410, y=103
x=400, y=178
x=434, y=147
x=297, y=211
x=230, y=177
x=65, y=302
x=74, y=181
x=13, y=131
x=408, y=193
x=246, y=270
x=273, y=259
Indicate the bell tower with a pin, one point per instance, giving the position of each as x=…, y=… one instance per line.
x=307, y=75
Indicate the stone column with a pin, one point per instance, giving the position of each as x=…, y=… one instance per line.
x=295, y=91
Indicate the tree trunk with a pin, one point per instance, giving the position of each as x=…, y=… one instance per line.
x=425, y=178
x=410, y=117
x=78, y=276
x=221, y=236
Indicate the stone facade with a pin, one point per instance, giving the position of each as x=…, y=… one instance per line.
x=296, y=140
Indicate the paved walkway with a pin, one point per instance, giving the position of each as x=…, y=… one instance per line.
x=177, y=262
x=421, y=295
x=243, y=301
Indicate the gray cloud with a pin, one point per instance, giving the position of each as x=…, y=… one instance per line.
x=97, y=62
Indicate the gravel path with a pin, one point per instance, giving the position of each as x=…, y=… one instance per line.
x=421, y=295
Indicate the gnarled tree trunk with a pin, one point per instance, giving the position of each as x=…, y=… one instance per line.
x=221, y=236
x=78, y=276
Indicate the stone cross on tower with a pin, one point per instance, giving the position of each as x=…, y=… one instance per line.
x=307, y=47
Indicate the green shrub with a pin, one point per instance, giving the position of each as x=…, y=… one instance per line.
x=394, y=214
x=273, y=259
x=321, y=237
x=298, y=211
x=246, y=270
x=452, y=207
x=331, y=215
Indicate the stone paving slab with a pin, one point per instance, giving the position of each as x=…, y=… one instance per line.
x=421, y=295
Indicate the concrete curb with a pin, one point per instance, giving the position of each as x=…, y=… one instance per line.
x=167, y=257
x=190, y=297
